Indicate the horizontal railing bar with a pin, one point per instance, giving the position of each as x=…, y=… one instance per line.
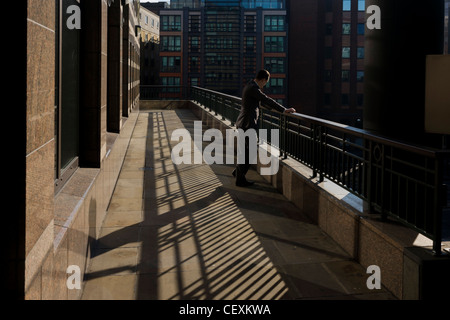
x=409, y=179
x=411, y=165
x=347, y=129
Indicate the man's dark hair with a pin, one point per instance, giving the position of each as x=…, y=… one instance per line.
x=263, y=74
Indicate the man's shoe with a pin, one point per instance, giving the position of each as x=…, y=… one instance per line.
x=245, y=184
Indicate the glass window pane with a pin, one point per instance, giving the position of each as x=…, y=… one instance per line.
x=360, y=53
x=346, y=5
x=345, y=75
x=360, y=76
x=361, y=28
x=69, y=107
x=346, y=52
x=361, y=5
x=346, y=28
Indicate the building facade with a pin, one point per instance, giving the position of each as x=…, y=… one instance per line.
x=78, y=82
x=220, y=45
x=150, y=26
x=327, y=70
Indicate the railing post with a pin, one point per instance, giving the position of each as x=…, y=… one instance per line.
x=224, y=109
x=368, y=173
x=313, y=151
x=439, y=197
x=283, y=128
x=317, y=161
x=321, y=153
x=384, y=192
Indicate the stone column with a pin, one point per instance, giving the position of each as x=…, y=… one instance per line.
x=115, y=65
x=93, y=87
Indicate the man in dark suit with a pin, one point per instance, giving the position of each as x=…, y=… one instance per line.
x=252, y=99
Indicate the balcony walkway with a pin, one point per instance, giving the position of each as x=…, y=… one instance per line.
x=187, y=232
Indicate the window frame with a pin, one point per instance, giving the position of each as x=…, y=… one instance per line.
x=269, y=25
x=63, y=172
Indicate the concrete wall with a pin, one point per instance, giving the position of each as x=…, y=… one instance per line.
x=52, y=228
x=79, y=210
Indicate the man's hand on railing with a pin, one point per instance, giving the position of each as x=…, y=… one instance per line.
x=290, y=110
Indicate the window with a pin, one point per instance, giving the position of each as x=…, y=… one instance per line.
x=250, y=44
x=274, y=44
x=345, y=52
x=360, y=76
x=345, y=99
x=275, y=86
x=274, y=23
x=328, y=52
x=361, y=5
x=345, y=75
x=346, y=28
x=194, y=44
x=171, y=82
x=194, y=64
x=195, y=82
x=360, y=53
x=220, y=43
x=266, y=4
x=250, y=23
x=250, y=65
x=361, y=28
x=346, y=5
x=327, y=76
x=170, y=64
x=275, y=65
x=170, y=23
x=329, y=29
x=171, y=43
x=67, y=99
x=194, y=23
x=328, y=5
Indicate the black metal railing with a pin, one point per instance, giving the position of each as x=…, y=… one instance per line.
x=163, y=92
x=398, y=180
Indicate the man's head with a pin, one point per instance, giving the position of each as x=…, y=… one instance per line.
x=262, y=77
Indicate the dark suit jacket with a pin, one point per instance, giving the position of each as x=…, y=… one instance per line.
x=252, y=96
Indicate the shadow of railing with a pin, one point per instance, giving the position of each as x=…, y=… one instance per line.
x=196, y=241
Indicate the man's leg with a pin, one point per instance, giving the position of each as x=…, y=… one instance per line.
x=242, y=168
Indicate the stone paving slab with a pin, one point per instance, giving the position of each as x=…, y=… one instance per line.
x=187, y=232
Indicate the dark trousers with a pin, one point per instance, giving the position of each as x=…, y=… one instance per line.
x=242, y=168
